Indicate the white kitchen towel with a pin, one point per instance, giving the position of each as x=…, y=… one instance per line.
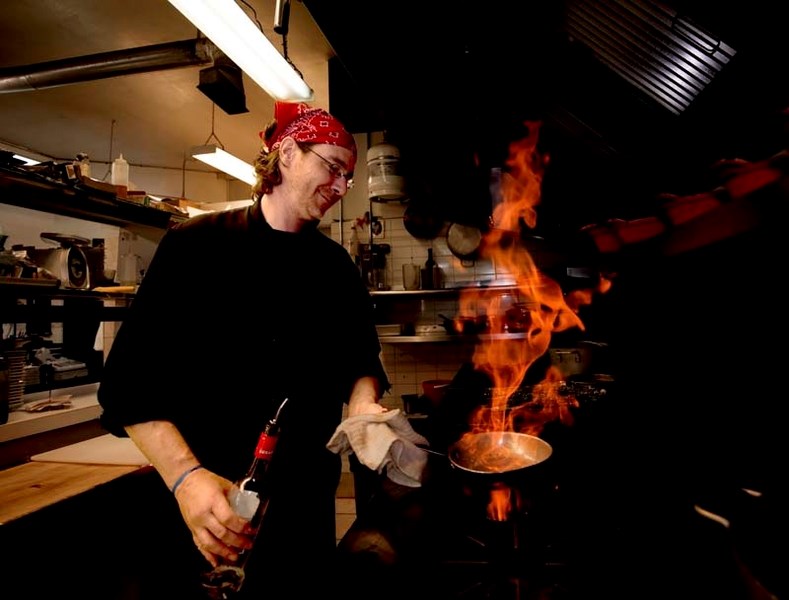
x=383, y=442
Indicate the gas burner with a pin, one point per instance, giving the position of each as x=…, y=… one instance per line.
x=583, y=391
x=473, y=556
x=503, y=560
x=500, y=585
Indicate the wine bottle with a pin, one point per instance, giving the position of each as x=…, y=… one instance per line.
x=249, y=497
x=428, y=271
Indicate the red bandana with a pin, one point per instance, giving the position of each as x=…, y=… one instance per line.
x=310, y=125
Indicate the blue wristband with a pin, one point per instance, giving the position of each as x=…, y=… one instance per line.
x=180, y=480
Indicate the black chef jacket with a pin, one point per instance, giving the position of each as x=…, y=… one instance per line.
x=231, y=318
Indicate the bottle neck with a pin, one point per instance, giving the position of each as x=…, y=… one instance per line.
x=266, y=443
x=254, y=468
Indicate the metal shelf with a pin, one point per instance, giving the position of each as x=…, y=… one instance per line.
x=438, y=339
x=413, y=293
x=37, y=193
x=443, y=291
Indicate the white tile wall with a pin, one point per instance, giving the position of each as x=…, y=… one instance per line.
x=409, y=364
x=407, y=249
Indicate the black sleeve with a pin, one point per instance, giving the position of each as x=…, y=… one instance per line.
x=365, y=347
x=138, y=382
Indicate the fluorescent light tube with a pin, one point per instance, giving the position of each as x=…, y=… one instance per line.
x=232, y=31
x=224, y=161
x=26, y=160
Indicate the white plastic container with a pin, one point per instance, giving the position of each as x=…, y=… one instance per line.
x=384, y=180
x=83, y=160
x=120, y=171
x=129, y=269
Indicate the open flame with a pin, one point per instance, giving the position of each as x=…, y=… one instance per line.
x=506, y=357
x=500, y=501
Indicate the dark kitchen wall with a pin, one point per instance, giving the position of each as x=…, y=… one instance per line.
x=694, y=338
x=697, y=415
x=453, y=87
x=697, y=336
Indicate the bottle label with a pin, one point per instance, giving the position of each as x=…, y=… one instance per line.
x=265, y=447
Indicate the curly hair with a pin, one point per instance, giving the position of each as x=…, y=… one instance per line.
x=267, y=174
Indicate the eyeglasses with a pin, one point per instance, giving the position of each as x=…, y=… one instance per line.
x=336, y=170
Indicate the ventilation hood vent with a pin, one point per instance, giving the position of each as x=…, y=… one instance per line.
x=78, y=69
x=651, y=46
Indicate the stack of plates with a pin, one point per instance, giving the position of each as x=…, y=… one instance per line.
x=31, y=375
x=16, y=377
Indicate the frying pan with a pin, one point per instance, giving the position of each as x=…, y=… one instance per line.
x=498, y=452
x=422, y=222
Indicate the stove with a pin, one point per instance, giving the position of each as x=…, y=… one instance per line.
x=438, y=542
x=520, y=558
x=441, y=537
x=601, y=524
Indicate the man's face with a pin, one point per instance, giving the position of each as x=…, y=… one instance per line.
x=321, y=179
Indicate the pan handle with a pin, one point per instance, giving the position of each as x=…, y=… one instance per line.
x=431, y=451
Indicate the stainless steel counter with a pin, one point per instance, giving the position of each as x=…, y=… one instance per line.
x=85, y=407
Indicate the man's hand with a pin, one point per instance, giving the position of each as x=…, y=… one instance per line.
x=218, y=532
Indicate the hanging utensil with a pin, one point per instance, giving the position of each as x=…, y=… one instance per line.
x=464, y=241
x=422, y=222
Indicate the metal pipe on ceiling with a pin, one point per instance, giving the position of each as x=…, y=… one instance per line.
x=146, y=59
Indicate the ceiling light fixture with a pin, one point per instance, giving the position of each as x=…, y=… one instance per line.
x=231, y=30
x=28, y=161
x=216, y=156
